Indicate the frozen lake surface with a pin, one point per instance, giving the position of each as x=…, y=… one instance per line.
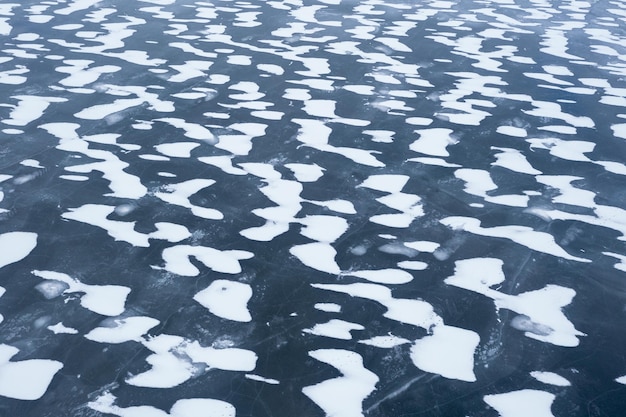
x=338, y=208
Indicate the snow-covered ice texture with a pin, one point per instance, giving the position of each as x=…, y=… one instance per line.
x=312, y=208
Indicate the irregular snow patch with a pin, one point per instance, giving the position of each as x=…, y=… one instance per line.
x=522, y=403
x=415, y=312
x=179, y=194
x=523, y=235
x=540, y=313
x=60, y=328
x=337, y=329
x=176, y=360
x=16, y=246
x=108, y=300
x=227, y=299
x=188, y=407
x=342, y=396
x=317, y=255
x=449, y=352
x=434, y=142
x=178, y=149
x=96, y=215
x=177, y=259
x=25, y=380
x=306, y=172
x=120, y=330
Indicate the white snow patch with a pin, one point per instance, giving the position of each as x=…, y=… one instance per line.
x=262, y=379
x=385, y=342
x=177, y=259
x=179, y=194
x=32, y=163
x=315, y=134
x=25, y=380
x=565, y=130
x=548, y=109
x=306, y=172
x=123, y=184
x=323, y=228
x=433, y=141
x=522, y=403
x=415, y=312
x=540, y=311
x=342, y=396
x=192, y=130
x=328, y=307
x=550, y=378
x=188, y=407
x=622, y=264
x=514, y=160
x=383, y=276
x=409, y=205
x=619, y=130
x=337, y=329
x=419, y=121
x=223, y=162
x=386, y=182
x=448, y=352
x=516, y=132
x=76, y=6
x=380, y=136
x=227, y=299
x=122, y=330
x=178, y=149
x=173, y=359
x=96, y=215
x=317, y=255
x=523, y=235
x=60, y=328
x=568, y=193
x=434, y=161
x=29, y=108
x=423, y=245
x=107, y=300
x=478, y=182
x=413, y=265
x=271, y=68
x=189, y=70
x=16, y=246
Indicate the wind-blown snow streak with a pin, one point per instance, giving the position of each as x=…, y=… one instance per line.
x=523, y=235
